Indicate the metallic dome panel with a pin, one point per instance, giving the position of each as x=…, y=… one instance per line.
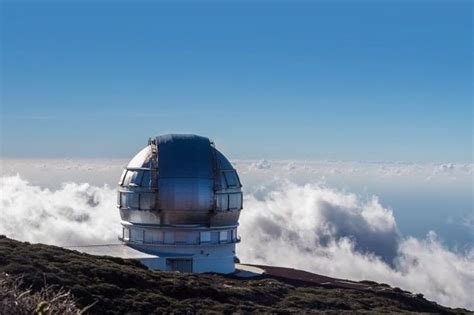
x=180, y=180
x=184, y=156
x=185, y=172
x=142, y=159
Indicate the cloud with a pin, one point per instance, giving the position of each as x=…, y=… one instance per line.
x=444, y=168
x=310, y=215
x=322, y=230
x=73, y=214
x=311, y=227
x=387, y=169
x=261, y=165
x=52, y=172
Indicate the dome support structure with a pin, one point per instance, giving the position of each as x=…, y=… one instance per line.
x=180, y=200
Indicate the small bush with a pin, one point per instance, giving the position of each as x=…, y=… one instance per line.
x=17, y=300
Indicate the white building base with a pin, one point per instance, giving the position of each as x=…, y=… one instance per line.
x=190, y=258
x=212, y=258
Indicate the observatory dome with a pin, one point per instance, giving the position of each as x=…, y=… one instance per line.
x=180, y=180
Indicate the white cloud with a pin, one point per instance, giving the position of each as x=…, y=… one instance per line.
x=338, y=234
x=73, y=214
x=52, y=172
x=285, y=221
x=261, y=165
x=291, y=166
x=444, y=168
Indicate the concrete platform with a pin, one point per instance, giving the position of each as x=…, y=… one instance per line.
x=113, y=250
x=247, y=271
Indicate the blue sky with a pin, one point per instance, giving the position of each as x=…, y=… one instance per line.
x=345, y=80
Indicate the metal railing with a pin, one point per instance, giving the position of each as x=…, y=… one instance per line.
x=177, y=244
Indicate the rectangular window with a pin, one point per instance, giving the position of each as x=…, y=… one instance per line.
x=169, y=237
x=145, y=182
x=126, y=234
x=154, y=236
x=205, y=237
x=159, y=236
x=128, y=178
x=235, y=201
x=149, y=236
x=181, y=265
x=147, y=201
x=222, y=202
x=137, y=235
x=129, y=200
x=180, y=237
x=231, y=179
x=122, y=177
x=214, y=237
x=133, y=200
x=192, y=238
x=223, y=236
x=137, y=178
x=222, y=182
x=123, y=200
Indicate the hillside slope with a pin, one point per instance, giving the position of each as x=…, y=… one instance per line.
x=119, y=286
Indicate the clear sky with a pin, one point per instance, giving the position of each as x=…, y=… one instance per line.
x=347, y=80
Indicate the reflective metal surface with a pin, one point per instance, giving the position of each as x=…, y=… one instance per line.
x=180, y=180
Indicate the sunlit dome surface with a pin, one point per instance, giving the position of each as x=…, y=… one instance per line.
x=180, y=179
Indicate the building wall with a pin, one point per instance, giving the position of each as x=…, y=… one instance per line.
x=160, y=235
x=211, y=258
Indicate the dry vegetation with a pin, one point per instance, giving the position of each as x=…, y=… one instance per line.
x=116, y=286
x=16, y=299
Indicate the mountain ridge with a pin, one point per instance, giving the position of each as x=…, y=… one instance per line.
x=116, y=286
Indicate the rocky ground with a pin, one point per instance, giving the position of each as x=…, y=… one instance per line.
x=114, y=286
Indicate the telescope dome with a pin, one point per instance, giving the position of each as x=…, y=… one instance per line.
x=180, y=179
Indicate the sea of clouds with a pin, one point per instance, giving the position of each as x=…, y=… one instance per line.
x=295, y=215
x=341, y=235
